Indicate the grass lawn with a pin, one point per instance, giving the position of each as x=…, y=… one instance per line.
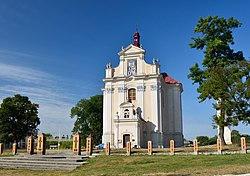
x=152, y=165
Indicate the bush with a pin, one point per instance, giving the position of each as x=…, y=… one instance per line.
x=203, y=140
x=235, y=137
x=66, y=144
x=212, y=140
x=49, y=143
x=63, y=144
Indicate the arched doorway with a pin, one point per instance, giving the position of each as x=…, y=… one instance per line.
x=126, y=138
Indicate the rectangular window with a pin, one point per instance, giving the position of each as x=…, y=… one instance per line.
x=132, y=94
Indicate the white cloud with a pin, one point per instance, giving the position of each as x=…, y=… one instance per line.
x=41, y=94
x=24, y=75
x=54, y=94
x=7, y=54
x=42, y=88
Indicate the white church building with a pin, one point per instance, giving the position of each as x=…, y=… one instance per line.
x=140, y=103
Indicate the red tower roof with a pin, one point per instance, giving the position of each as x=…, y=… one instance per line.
x=137, y=38
x=168, y=79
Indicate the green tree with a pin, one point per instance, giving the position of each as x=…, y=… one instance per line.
x=235, y=136
x=89, y=117
x=48, y=136
x=203, y=140
x=212, y=140
x=18, y=118
x=224, y=73
x=231, y=87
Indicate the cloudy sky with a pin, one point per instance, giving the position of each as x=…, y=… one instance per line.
x=55, y=52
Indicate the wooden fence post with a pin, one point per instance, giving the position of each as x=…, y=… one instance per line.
x=14, y=148
x=171, y=147
x=243, y=145
x=77, y=144
x=107, y=148
x=219, y=145
x=196, y=148
x=150, y=151
x=128, y=148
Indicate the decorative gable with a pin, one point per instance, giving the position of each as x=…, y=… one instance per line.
x=131, y=50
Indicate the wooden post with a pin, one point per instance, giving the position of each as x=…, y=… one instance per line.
x=89, y=146
x=14, y=148
x=1, y=148
x=196, y=148
x=30, y=145
x=171, y=147
x=128, y=148
x=150, y=151
x=41, y=145
x=107, y=148
x=219, y=145
x=243, y=145
x=77, y=144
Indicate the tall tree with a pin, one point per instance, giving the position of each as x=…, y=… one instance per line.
x=89, y=117
x=18, y=118
x=224, y=73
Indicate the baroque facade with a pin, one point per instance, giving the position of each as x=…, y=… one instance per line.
x=140, y=103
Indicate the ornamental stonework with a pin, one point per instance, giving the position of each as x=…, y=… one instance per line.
x=110, y=90
x=141, y=88
x=122, y=89
x=153, y=87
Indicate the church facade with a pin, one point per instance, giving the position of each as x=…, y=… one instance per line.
x=140, y=103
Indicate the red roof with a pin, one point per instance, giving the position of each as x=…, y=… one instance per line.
x=168, y=79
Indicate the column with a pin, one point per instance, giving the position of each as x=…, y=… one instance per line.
x=1, y=148
x=14, y=149
x=30, y=145
x=116, y=135
x=41, y=144
x=77, y=144
x=138, y=135
x=89, y=146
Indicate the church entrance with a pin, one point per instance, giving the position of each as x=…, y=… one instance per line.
x=126, y=138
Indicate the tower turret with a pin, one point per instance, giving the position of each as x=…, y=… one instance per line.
x=137, y=39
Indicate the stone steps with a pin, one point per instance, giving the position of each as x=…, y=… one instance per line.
x=35, y=162
x=42, y=159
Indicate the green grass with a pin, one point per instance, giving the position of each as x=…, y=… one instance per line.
x=165, y=164
x=152, y=165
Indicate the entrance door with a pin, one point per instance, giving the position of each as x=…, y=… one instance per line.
x=126, y=138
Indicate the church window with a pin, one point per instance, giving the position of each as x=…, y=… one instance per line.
x=126, y=113
x=132, y=94
x=131, y=67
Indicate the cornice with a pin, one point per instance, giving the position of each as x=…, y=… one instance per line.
x=130, y=78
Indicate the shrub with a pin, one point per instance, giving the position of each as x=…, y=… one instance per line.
x=203, y=140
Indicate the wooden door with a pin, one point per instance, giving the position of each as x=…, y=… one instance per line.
x=126, y=138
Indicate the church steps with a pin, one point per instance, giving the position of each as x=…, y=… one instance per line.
x=35, y=162
x=41, y=159
x=65, y=162
x=37, y=167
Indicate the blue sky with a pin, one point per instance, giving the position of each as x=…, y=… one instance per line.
x=55, y=52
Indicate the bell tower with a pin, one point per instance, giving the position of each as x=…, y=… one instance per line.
x=137, y=39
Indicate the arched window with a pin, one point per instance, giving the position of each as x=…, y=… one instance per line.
x=132, y=94
x=126, y=113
